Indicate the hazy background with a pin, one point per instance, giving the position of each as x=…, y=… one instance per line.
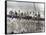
x=24, y=7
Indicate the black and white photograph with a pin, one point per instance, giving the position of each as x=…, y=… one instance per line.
x=25, y=17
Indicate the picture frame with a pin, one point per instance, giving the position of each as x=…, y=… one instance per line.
x=22, y=6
